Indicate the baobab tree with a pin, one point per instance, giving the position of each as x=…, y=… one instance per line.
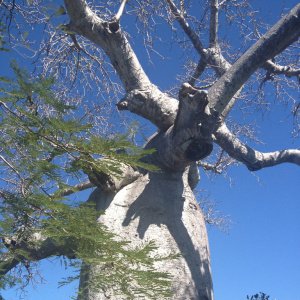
x=159, y=205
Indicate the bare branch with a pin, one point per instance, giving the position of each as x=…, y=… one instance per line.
x=77, y=188
x=288, y=71
x=112, y=40
x=253, y=159
x=186, y=27
x=222, y=3
x=112, y=183
x=115, y=44
x=213, y=30
x=220, y=165
x=281, y=35
x=209, y=167
x=182, y=10
x=152, y=104
x=213, y=55
x=198, y=71
x=120, y=11
x=35, y=248
x=76, y=44
x=213, y=216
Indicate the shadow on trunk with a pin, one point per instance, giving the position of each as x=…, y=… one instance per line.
x=161, y=207
x=165, y=209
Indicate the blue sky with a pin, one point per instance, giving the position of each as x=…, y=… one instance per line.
x=261, y=250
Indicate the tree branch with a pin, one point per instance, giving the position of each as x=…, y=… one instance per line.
x=7, y=263
x=111, y=39
x=209, y=167
x=152, y=104
x=77, y=188
x=35, y=248
x=142, y=98
x=288, y=71
x=213, y=30
x=146, y=100
x=281, y=35
x=220, y=165
x=186, y=27
x=198, y=71
x=212, y=55
x=253, y=159
x=120, y=11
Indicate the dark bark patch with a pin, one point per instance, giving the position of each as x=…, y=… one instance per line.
x=198, y=149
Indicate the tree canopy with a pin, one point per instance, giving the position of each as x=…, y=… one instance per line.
x=78, y=64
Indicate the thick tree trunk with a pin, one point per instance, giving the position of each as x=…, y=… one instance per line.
x=160, y=207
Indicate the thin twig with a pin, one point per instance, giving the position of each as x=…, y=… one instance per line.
x=209, y=167
x=11, y=166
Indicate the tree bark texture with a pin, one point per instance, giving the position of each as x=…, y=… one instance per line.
x=159, y=207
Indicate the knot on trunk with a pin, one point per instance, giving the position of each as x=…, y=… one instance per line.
x=193, y=113
x=192, y=129
x=190, y=139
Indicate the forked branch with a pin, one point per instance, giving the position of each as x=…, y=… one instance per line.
x=253, y=159
x=186, y=27
x=288, y=71
x=212, y=56
x=280, y=36
x=111, y=39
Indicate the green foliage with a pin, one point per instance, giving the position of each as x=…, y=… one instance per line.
x=47, y=146
x=46, y=140
x=127, y=271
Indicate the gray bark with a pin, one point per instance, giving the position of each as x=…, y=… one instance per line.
x=34, y=248
x=280, y=36
x=254, y=160
x=160, y=207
